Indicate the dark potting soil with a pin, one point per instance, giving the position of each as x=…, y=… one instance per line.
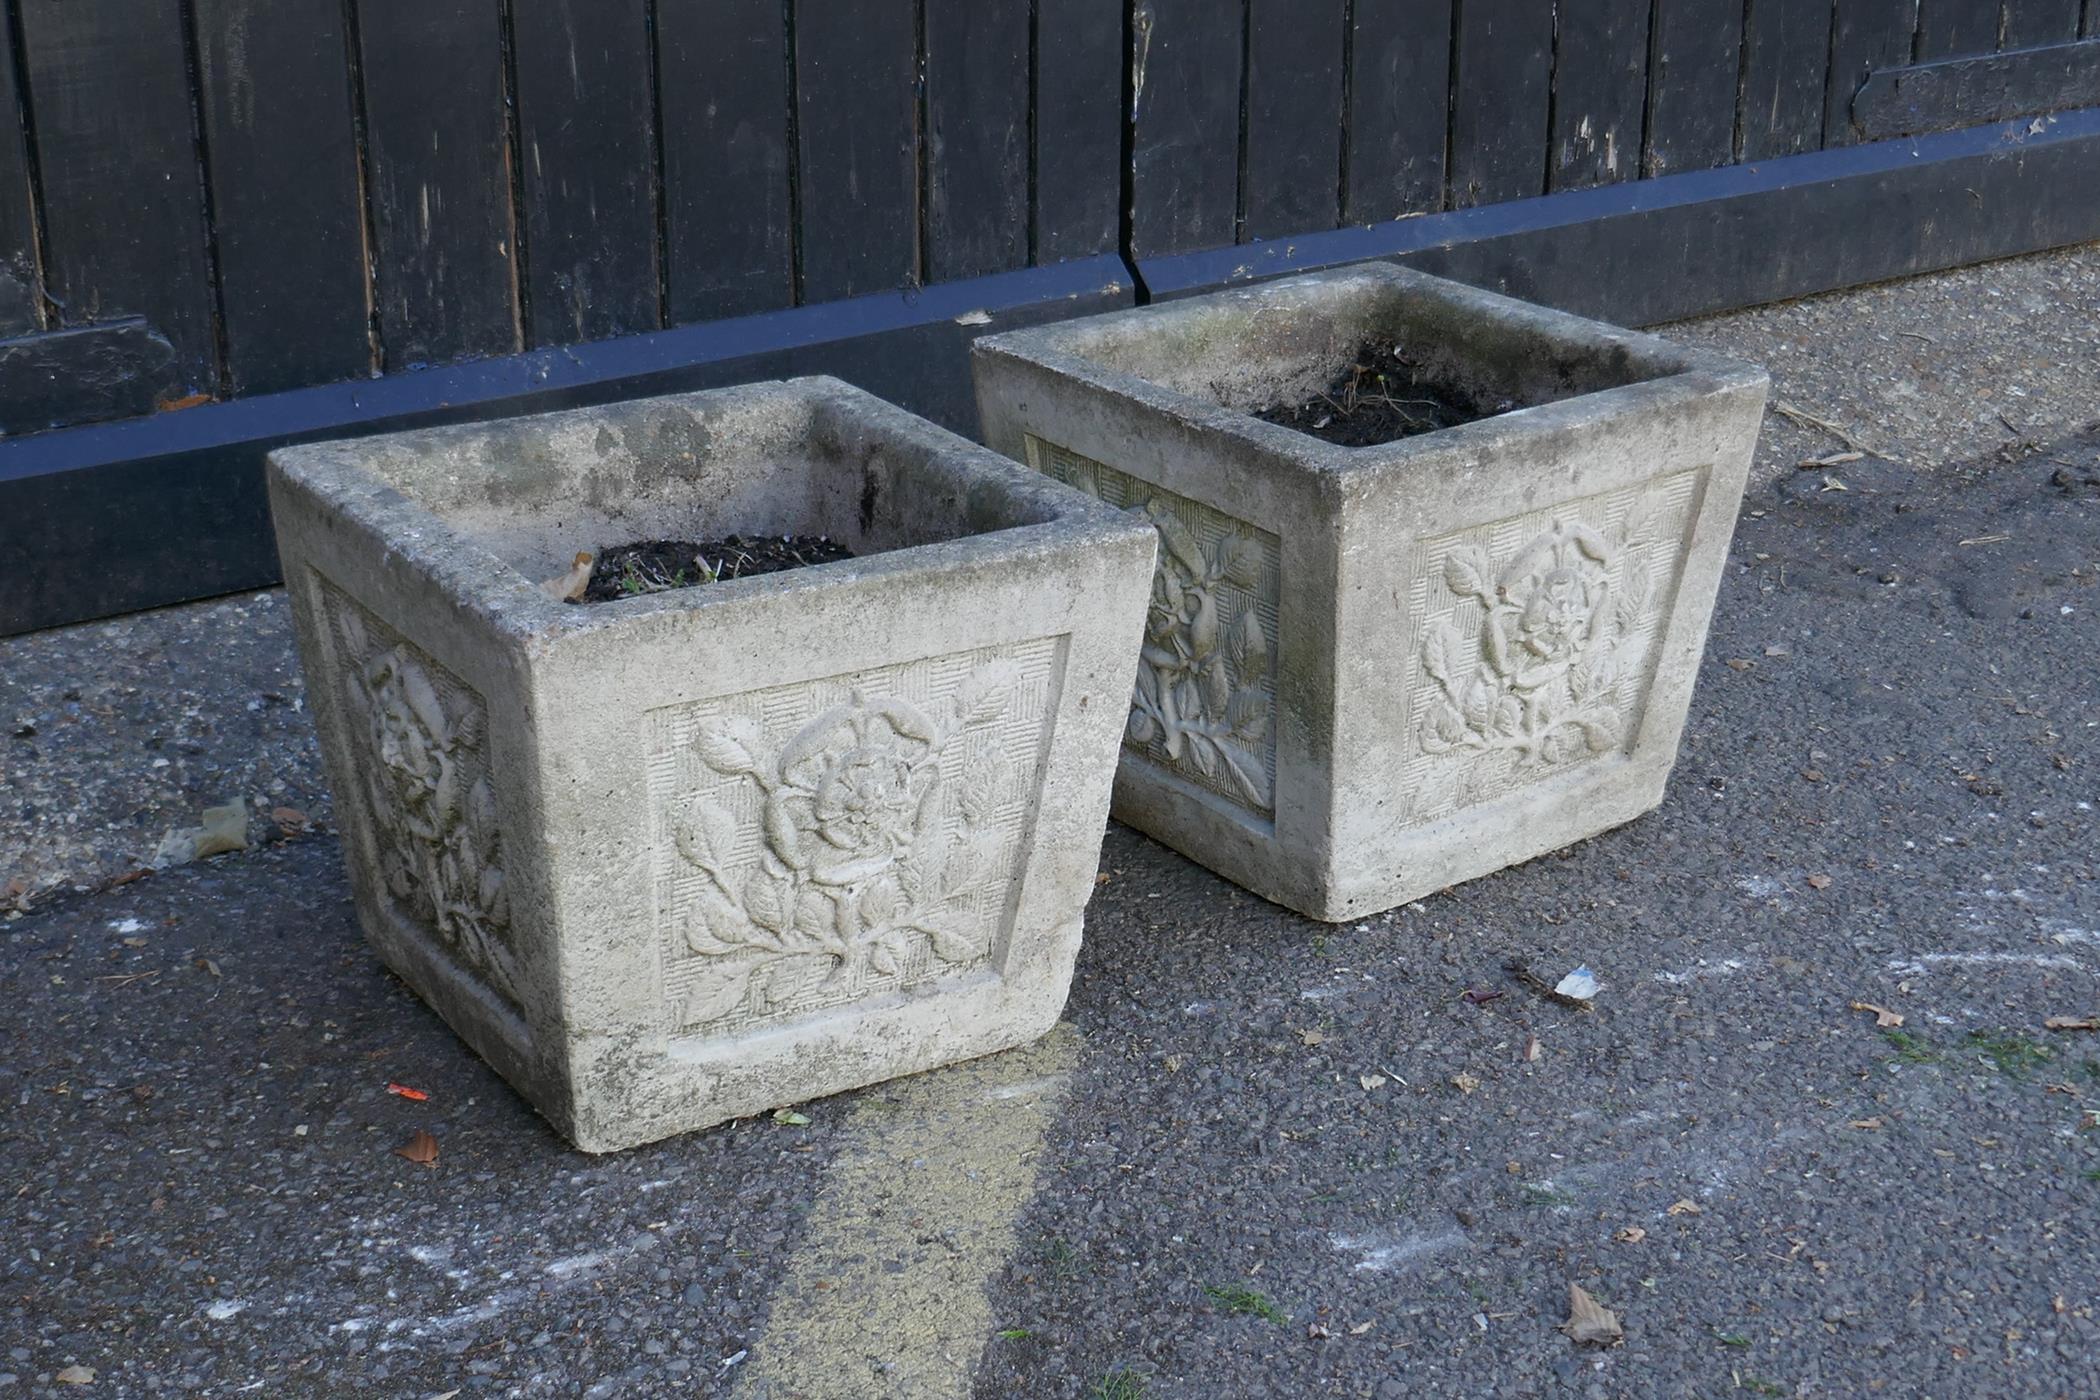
x=1381, y=397
x=653, y=566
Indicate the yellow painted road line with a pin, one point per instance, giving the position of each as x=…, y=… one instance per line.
x=885, y=1293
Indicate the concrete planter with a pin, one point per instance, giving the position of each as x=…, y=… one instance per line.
x=1373, y=672
x=691, y=855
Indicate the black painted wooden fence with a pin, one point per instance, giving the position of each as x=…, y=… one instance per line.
x=297, y=191
x=318, y=218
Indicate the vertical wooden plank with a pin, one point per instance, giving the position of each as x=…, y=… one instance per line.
x=977, y=149
x=1786, y=66
x=2090, y=28
x=1504, y=75
x=1399, y=108
x=1695, y=60
x=123, y=192
x=1950, y=28
x=1868, y=35
x=439, y=179
x=274, y=80
x=586, y=106
x=2030, y=23
x=1185, y=81
x=1294, y=116
x=857, y=117
x=1600, y=92
x=728, y=210
x=21, y=283
x=1079, y=59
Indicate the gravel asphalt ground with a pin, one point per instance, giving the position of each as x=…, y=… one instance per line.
x=1264, y=1157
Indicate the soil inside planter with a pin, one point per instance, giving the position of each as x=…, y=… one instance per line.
x=654, y=566
x=1381, y=397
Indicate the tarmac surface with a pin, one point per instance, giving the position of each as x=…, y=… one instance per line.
x=1263, y=1157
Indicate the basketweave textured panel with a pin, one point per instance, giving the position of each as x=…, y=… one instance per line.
x=1204, y=707
x=1535, y=640
x=422, y=792
x=822, y=842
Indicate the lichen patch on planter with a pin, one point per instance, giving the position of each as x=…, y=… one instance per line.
x=425, y=796
x=1536, y=638
x=1204, y=708
x=820, y=843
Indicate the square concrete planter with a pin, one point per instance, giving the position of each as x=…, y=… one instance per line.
x=691, y=855
x=1372, y=672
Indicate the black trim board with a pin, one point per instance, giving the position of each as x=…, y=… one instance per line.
x=1660, y=250
x=117, y=517
x=84, y=374
x=1986, y=88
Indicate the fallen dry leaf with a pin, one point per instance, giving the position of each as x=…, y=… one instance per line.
x=1884, y=1019
x=1630, y=1234
x=1814, y=775
x=1371, y=1081
x=413, y=1095
x=1317, y=1331
x=186, y=401
x=568, y=587
x=1309, y=1036
x=1819, y=882
x=422, y=1149
x=2072, y=1023
x=1531, y=1049
x=290, y=819
x=1362, y=1327
x=1589, y=1322
x=1871, y=1125
x=1739, y=663
x=76, y=1375
x=1685, y=1206
x=1464, y=1083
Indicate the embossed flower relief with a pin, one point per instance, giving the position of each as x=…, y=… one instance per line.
x=1199, y=697
x=435, y=818
x=859, y=860
x=1541, y=678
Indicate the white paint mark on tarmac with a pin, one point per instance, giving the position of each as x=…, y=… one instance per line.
x=885, y=1293
x=576, y=1264
x=1925, y=962
x=1383, y=1251
x=1722, y=967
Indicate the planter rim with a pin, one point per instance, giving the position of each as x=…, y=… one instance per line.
x=1680, y=374
x=1052, y=517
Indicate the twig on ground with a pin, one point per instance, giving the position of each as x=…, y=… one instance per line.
x=1805, y=419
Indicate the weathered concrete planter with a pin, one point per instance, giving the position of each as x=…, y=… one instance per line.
x=1372, y=672
x=691, y=855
